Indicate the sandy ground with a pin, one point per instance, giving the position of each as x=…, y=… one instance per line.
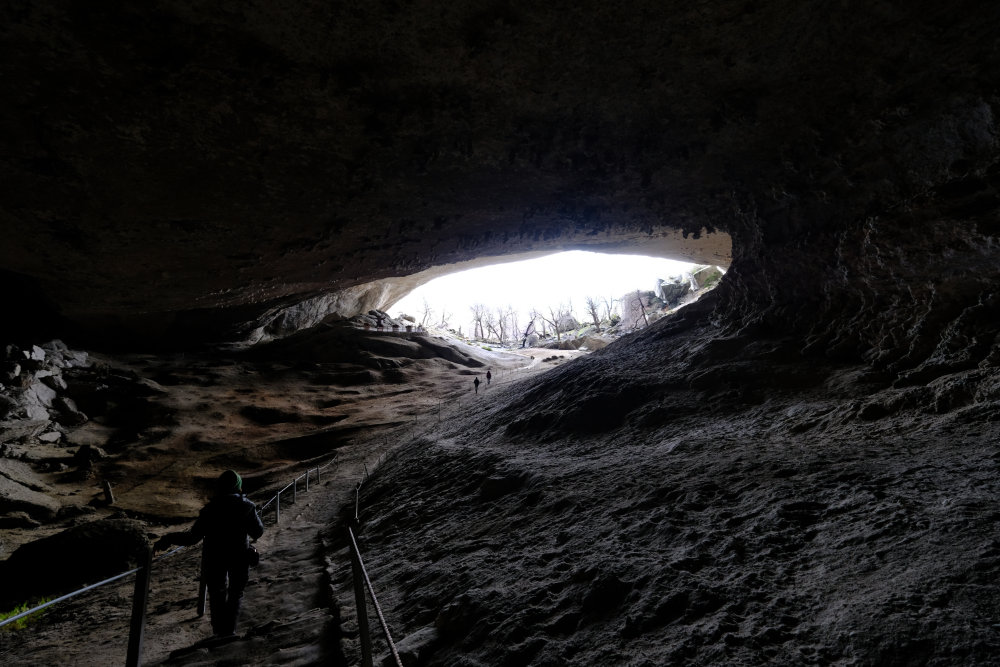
x=271, y=421
x=675, y=498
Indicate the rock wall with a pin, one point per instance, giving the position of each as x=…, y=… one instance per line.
x=184, y=174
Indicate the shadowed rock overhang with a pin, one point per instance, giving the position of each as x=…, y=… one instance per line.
x=191, y=171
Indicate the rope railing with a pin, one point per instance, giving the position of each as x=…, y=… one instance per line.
x=143, y=573
x=362, y=582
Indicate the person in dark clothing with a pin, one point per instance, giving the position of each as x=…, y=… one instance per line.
x=225, y=523
x=489, y=376
x=475, y=383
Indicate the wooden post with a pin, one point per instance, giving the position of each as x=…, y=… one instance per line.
x=202, y=584
x=108, y=494
x=139, y=599
x=364, y=634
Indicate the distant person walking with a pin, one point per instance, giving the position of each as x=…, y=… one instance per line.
x=225, y=523
x=489, y=376
x=475, y=383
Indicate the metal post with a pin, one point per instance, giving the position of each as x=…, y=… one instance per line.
x=317, y=474
x=277, y=508
x=364, y=635
x=307, y=480
x=139, y=599
x=295, y=488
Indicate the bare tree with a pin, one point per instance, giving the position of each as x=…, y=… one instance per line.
x=593, y=311
x=537, y=316
x=609, y=304
x=512, y=322
x=501, y=324
x=478, y=311
x=642, y=309
x=555, y=316
x=490, y=320
x=427, y=312
x=445, y=319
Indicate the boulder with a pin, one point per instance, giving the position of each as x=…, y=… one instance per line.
x=39, y=394
x=7, y=406
x=75, y=557
x=16, y=497
x=87, y=454
x=16, y=430
x=706, y=276
x=68, y=414
x=672, y=290
x=568, y=323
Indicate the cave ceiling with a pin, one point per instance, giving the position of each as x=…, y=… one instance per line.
x=173, y=157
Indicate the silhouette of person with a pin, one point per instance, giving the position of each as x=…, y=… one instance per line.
x=224, y=523
x=489, y=376
x=475, y=383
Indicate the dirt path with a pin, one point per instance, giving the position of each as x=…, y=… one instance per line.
x=293, y=603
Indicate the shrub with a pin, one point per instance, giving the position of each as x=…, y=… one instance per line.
x=22, y=623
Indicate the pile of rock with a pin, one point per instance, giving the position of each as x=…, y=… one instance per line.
x=36, y=413
x=33, y=399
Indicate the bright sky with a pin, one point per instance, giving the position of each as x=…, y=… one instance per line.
x=538, y=283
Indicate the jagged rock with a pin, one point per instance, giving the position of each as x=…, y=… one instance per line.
x=40, y=394
x=7, y=406
x=87, y=454
x=68, y=414
x=54, y=382
x=705, y=277
x=10, y=371
x=672, y=290
x=68, y=560
x=50, y=437
x=568, y=323
x=23, y=473
x=22, y=429
x=18, y=497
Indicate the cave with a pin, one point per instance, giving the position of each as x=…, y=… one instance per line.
x=798, y=469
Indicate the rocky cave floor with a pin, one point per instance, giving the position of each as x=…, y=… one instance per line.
x=676, y=498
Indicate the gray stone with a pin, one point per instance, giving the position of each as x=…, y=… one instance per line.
x=50, y=436
x=10, y=371
x=36, y=412
x=68, y=413
x=21, y=429
x=79, y=555
x=39, y=394
x=18, y=497
x=87, y=454
x=23, y=473
x=55, y=382
x=7, y=406
x=413, y=648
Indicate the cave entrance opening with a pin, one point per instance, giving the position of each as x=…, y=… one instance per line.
x=559, y=295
